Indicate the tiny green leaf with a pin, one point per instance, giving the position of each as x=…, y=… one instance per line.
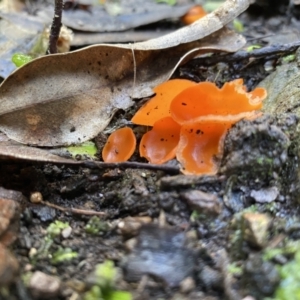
x=253, y=47
x=20, y=59
x=169, y=2
x=238, y=25
x=86, y=149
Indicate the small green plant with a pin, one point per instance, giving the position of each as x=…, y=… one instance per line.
x=95, y=226
x=44, y=251
x=63, y=255
x=104, y=287
x=55, y=228
x=20, y=59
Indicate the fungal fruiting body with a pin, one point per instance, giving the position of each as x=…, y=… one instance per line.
x=206, y=101
x=119, y=146
x=194, y=14
x=200, y=146
x=158, y=107
x=160, y=143
x=190, y=121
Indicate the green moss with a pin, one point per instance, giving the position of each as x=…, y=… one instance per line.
x=45, y=251
x=234, y=269
x=55, y=228
x=291, y=248
x=104, y=287
x=63, y=255
x=96, y=226
x=289, y=287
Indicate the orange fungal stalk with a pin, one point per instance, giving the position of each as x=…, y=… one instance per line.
x=119, y=146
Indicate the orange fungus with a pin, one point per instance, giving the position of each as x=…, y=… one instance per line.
x=194, y=14
x=199, y=146
x=119, y=146
x=191, y=120
x=159, y=106
x=205, y=101
x=159, y=144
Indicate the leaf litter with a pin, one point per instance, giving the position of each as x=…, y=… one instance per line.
x=65, y=99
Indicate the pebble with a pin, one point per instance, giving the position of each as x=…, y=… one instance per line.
x=187, y=285
x=202, y=202
x=255, y=228
x=43, y=285
x=36, y=197
x=130, y=226
x=66, y=232
x=9, y=221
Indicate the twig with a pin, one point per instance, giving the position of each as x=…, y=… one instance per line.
x=242, y=55
x=74, y=210
x=55, y=27
x=130, y=164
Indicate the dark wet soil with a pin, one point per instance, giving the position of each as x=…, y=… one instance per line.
x=174, y=237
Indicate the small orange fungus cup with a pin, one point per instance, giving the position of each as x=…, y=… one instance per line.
x=194, y=14
x=159, y=144
x=119, y=146
x=206, y=101
x=200, y=146
x=158, y=107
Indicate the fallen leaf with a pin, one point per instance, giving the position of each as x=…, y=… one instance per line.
x=127, y=15
x=16, y=151
x=65, y=99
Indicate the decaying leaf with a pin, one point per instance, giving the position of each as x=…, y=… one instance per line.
x=125, y=15
x=16, y=151
x=69, y=98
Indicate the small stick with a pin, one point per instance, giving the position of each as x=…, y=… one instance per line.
x=272, y=50
x=130, y=164
x=74, y=210
x=55, y=27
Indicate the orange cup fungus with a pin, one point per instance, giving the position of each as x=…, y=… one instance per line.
x=191, y=120
x=158, y=107
x=119, y=146
x=194, y=14
x=205, y=102
x=200, y=146
x=159, y=144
